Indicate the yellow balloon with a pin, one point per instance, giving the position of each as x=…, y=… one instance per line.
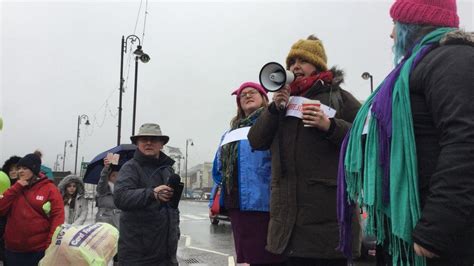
x=4, y=182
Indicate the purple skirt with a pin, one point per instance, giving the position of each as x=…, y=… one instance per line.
x=250, y=237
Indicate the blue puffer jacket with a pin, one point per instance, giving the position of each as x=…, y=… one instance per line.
x=254, y=175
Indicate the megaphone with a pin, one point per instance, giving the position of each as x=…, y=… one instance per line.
x=273, y=76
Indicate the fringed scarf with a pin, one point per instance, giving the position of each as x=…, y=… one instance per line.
x=229, y=152
x=382, y=176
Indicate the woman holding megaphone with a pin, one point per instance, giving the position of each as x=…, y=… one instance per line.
x=304, y=127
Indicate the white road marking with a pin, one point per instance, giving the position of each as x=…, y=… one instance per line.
x=187, y=243
x=210, y=251
x=231, y=261
x=195, y=217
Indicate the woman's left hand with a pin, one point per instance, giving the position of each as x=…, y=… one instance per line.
x=421, y=251
x=313, y=116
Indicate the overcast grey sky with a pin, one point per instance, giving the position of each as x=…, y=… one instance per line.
x=61, y=59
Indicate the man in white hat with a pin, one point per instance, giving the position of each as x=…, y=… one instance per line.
x=149, y=229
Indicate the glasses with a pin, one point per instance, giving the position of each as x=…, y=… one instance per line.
x=247, y=94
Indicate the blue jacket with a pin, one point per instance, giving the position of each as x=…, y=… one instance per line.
x=254, y=175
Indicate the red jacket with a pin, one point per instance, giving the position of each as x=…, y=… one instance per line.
x=28, y=228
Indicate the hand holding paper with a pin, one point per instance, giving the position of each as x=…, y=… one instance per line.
x=113, y=158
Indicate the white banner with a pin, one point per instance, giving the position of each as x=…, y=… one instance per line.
x=295, y=108
x=236, y=135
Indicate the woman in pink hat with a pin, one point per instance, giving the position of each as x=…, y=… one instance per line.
x=243, y=178
x=414, y=171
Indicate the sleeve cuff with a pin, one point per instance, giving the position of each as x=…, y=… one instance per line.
x=332, y=127
x=273, y=109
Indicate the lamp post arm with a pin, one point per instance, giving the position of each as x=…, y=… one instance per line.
x=133, y=38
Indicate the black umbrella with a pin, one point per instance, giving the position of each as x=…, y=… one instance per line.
x=94, y=168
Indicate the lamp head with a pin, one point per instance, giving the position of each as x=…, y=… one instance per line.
x=87, y=122
x=366, y=75
x=144, y=58
x=138, y=51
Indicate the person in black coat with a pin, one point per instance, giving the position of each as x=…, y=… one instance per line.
x=149, y=228
x=441, y=97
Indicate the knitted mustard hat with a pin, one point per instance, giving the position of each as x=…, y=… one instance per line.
x=311, y=50
x=441, y=13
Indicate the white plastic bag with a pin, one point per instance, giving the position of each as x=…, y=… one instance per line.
x=82, y=245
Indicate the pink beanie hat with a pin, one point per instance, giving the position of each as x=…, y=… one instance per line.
x=441, y=13
x=254, y=85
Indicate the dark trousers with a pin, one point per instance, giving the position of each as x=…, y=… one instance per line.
x=23, y=258
x=295, y=261
x=269, y=264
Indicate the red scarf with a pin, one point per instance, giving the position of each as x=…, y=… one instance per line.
x=302, y=85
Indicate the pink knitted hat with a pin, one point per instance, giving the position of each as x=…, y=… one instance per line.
x=254, y=85
x=426, y=12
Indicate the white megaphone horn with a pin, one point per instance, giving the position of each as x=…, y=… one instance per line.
x=273, y=76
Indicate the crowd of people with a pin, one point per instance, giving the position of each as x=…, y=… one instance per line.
x=33, y=207
x=404, y=156
x=134, y=200
x=295, y=181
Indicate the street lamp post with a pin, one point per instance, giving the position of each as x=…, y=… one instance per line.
x=64, y=154
x=119, y=126
x=188, y=141
x=140, y=55
x=366, y=76
x=79, y=118
x=59, y=156
x=178, y=158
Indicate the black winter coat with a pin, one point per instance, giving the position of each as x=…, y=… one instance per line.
x=149, y=230
x=442, y=101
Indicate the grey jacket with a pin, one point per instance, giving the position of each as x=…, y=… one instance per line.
x=78, y=215
x=108, y=212
x=149, y=229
